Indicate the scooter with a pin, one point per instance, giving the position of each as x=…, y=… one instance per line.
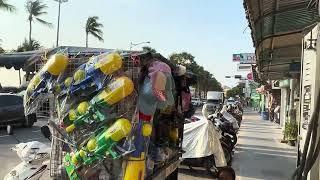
x=201, y=146
x=35, y=158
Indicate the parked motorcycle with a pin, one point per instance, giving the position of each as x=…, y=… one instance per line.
x=201, y=145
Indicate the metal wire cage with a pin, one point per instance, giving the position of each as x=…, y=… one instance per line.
x=49, y=109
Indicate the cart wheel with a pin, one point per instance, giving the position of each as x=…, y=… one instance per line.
x=173, y=175
x=10, y=129
x=210, y=166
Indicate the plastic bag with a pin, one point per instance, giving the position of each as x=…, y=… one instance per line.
x=201, y=139
x=32, y=151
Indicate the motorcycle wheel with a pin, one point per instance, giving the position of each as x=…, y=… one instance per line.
x=227, y=155
x=211, y=166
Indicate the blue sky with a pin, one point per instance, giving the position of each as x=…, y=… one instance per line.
x=210, y=30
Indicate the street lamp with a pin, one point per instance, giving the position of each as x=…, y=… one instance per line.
x=60, y=2
x=136, y=44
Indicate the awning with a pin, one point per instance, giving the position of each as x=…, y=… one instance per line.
x=26, y=60
x=19, y=59
x=277, y=30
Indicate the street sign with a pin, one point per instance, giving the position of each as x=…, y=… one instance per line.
x=244, y=58
x=236, y=57
x=250, y=76
x=244, y=67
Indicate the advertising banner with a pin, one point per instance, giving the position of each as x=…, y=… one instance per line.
x=244, y=58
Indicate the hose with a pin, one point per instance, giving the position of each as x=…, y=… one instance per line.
x=301, y=169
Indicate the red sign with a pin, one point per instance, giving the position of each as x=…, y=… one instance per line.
x=250, y=76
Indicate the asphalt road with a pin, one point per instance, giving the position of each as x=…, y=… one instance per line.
x=8, y=158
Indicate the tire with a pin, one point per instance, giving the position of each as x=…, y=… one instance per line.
x=9, y=129
x=211, y=166
x=29, y=120
x=227, y=155
x=173, y=175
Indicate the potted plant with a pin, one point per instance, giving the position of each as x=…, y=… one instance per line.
x=291, y=132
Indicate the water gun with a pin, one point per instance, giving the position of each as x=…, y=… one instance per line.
x=73, y=114
x=96, y=110
x=58, y=88
x=135, y=169
x=98, y=147
x=92, y=76
x=50, y=71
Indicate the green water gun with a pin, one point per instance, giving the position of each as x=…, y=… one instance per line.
x=98, y=147
x=96, y=108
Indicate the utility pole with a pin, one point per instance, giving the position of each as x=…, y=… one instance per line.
x=60, y=2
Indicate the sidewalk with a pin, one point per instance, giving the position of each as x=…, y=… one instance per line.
x=259, y=153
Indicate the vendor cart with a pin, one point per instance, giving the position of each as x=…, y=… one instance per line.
x=161, y=150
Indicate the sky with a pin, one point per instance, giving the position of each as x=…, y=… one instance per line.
x=210, y=30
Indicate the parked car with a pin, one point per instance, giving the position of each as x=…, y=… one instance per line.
x=196, y=102
x=12, y=112
x=231, y=101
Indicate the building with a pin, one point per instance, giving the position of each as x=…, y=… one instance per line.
x=278, y=28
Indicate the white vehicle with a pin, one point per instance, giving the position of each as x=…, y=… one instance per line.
x=231, y=101
x=215, y=96
x=196, y=101
x=214, y=102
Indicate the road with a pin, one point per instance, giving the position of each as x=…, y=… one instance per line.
x=9, y=158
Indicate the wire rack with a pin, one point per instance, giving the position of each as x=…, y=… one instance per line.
x=47, y=110
x=126, y=108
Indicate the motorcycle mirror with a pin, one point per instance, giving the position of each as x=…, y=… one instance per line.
x=46, y=132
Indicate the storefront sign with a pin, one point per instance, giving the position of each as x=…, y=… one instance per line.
x=250, y=76
x=244, y=58
x=284, y=83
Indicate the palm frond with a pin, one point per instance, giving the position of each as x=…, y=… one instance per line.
x=8, y=7
x=99, y=37
x=93, y=27
x=35, y=9
x=45, y=22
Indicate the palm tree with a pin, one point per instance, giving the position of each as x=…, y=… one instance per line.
x=8, y=7
x=93, y=28
x=29, y=46
x=1, y=49
x=35, y=9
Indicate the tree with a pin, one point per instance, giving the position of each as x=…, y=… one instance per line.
x=93, y=28
x=148, y=49
x=205, y=80
x=35, y=9
x=233, y=92
x=7, y=7
x=1, y=49
x=29, y=46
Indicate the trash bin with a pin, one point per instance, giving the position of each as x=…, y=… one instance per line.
x=265, y=115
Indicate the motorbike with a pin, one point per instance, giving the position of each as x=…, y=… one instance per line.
x=35, y=157
x=201, y=146
x=228, y=134
x=236, y=112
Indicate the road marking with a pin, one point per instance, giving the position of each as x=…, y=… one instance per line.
x=36, y=131
x=4, y=136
